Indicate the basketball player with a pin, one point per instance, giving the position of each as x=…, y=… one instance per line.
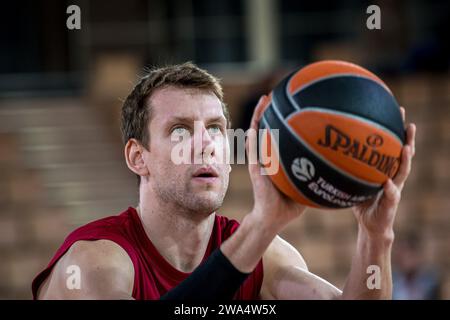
x=173, y=244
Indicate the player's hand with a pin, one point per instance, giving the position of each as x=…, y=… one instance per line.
x=270, y=204
x=376, y=216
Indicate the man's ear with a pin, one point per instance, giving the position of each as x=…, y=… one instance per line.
x=134, y=156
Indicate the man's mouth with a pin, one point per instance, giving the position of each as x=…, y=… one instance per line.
x=206, y=174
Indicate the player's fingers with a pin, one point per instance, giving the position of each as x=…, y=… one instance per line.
x=391, y=193
x=251, y=141
x=403, y=112
x=251, y=149
x=257, y=113
x=411, y=137
x=390, y=198
x=405, y=167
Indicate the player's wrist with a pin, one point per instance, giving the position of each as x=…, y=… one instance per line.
x=380, y=238
x=265, y=223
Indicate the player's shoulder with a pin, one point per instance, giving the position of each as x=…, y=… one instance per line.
x=95, y=258
x=97, y=252
x=101, y=266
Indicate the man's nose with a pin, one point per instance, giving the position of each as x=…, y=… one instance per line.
x=203, y=143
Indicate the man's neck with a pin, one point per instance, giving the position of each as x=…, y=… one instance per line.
x=180, y=238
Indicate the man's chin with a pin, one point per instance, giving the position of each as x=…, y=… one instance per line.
x=206, y=201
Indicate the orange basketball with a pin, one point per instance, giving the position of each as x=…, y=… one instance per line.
x=340, y=134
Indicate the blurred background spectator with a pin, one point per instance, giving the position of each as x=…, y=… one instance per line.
x=413, y=279
x=61, y=159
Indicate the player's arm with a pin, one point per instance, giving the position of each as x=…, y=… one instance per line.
x=376, y=232
x=286, y=276
x=371, y=260
x=106, y=272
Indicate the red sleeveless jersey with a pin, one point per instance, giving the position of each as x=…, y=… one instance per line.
x=153, y=274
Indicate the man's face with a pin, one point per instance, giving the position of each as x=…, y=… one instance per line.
x=197, y=121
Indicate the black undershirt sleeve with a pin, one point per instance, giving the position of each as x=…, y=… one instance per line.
x=215, y=279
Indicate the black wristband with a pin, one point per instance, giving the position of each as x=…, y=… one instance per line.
x=215, y=279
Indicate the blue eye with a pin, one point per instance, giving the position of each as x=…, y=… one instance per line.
x=180, y=131
x=215, y=129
